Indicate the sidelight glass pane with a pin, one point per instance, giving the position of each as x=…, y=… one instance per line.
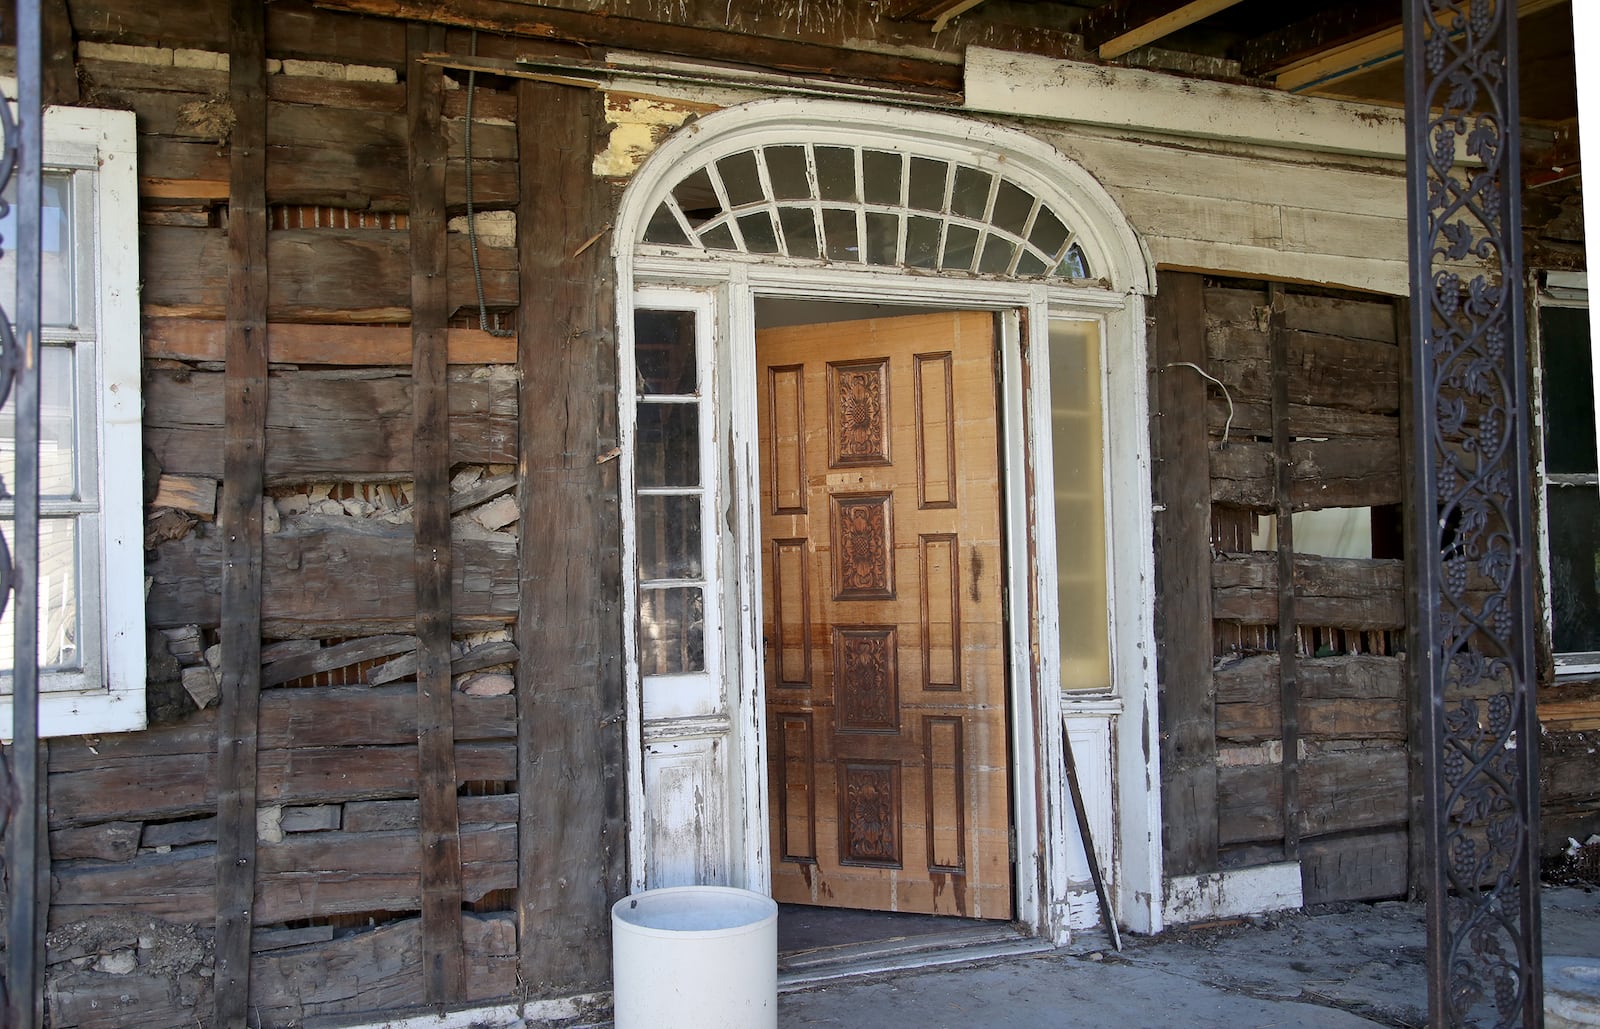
x=669, y=537
x=1568, y=384
x=1078, y=450
x=664, y=352
x=1574, y=513
x=58, y=427
x=671, y=631
x=59, y=632
x=667, y=445
x=58, y=265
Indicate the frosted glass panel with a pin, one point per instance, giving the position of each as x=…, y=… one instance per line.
x=1079, y=504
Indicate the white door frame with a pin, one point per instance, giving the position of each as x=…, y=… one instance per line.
x=1050, y=873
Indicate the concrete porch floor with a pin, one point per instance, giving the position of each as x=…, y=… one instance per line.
x=1346, y=965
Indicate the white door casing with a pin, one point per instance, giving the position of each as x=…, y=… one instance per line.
x=697, y=775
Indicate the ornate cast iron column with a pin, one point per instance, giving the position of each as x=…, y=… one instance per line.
x=21, y=151
x=1473, y=605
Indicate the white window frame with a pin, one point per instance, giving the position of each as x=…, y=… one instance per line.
x=1569, y=290
x=98, y=148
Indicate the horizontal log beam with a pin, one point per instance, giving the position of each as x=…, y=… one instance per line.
x=1344, y=593
x=1121, y=26
x=200, y=339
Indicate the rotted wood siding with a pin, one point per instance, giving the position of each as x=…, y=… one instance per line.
x=1304, y=657
x=389, y=443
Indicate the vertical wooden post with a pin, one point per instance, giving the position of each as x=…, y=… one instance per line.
x=60, y=54
x=245, y=412
x=443, y=963
x=1183, y=556
x=1288, y=626
x=570, y=771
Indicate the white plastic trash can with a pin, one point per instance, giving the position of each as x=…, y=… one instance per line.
x=695, y=957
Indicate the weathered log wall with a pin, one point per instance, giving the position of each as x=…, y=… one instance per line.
x=337, y=891
x=1305, y=695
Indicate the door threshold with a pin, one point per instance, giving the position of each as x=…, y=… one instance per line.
x=798, y=969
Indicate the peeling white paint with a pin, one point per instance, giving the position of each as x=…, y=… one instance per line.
x=638, y=125
x=1242, y=891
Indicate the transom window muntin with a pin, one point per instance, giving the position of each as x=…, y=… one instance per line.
x=848, y=204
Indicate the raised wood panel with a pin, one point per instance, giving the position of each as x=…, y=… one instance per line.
x=862, y=532
x=797, y=818
x=317, y=274
x=786, y=411
x=936, y=426
x=325, y=572
x=866, y=678
x=870, y=829
x=1327, y=473
x=791, y=612
x=858, y=413
x=939, y=555
x=320, y=424
x=946, y=793
x=686, y=820
x=1346, y=593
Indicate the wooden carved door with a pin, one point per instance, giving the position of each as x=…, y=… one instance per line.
x=882, y=581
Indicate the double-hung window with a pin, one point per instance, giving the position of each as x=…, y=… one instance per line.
x=91, y=650
x=1571, y=473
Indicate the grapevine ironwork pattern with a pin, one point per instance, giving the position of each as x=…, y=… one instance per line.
x=1474, y=622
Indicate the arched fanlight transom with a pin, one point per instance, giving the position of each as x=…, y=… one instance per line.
x=858, y=205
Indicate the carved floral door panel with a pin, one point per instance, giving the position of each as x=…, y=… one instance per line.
x=882, y=582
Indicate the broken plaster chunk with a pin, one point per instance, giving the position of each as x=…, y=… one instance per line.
x=488, y=684
x=466, y=477
x=355, y=507
x=497, y=513
x=203, y=60
x=293, y=504
x=494, y=228
x=156, y=56
x=269, y=824
x=370, y=73
x=200, y=682
x=118, y=962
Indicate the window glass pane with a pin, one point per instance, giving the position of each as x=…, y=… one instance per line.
x=1048, y=234
x=1012, y=205
x=960, y=242
x=836, y=173
x=840, y=228
x=718, y=237
x=1075, y=265
x=57, y=268
x=664, y=352
x=669, y=537
x=671, y=631
x=697, y=199
x=786, y=167
x=881, y=175
x=970, y=196
x=883, y=238
x=740, y=179
x=664, y=229
x=759, y=235
x=997, y=254
x=58, y=412
x=1079, y=504
x=1574, y=513
x=1569, y=443
x=668, y=445
x=58, y=597
x=1031, y=265
x=799, y=231
x=922, y=242
x=926, y=191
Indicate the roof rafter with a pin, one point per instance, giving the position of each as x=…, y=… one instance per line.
x=1122, y=26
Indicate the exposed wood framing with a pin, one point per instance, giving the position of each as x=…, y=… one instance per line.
x=1416, y=688
x=59, y=66
x=1288, y=641
x=1121, y=26
x=443, y=971
x=570, y=725
x=195, y=339
x=1322, y=69
x=1183, y=555
x=1329, y=29
x=245, y=388
x=517, y=19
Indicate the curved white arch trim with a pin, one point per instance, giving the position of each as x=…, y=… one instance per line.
x=1115, y=251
